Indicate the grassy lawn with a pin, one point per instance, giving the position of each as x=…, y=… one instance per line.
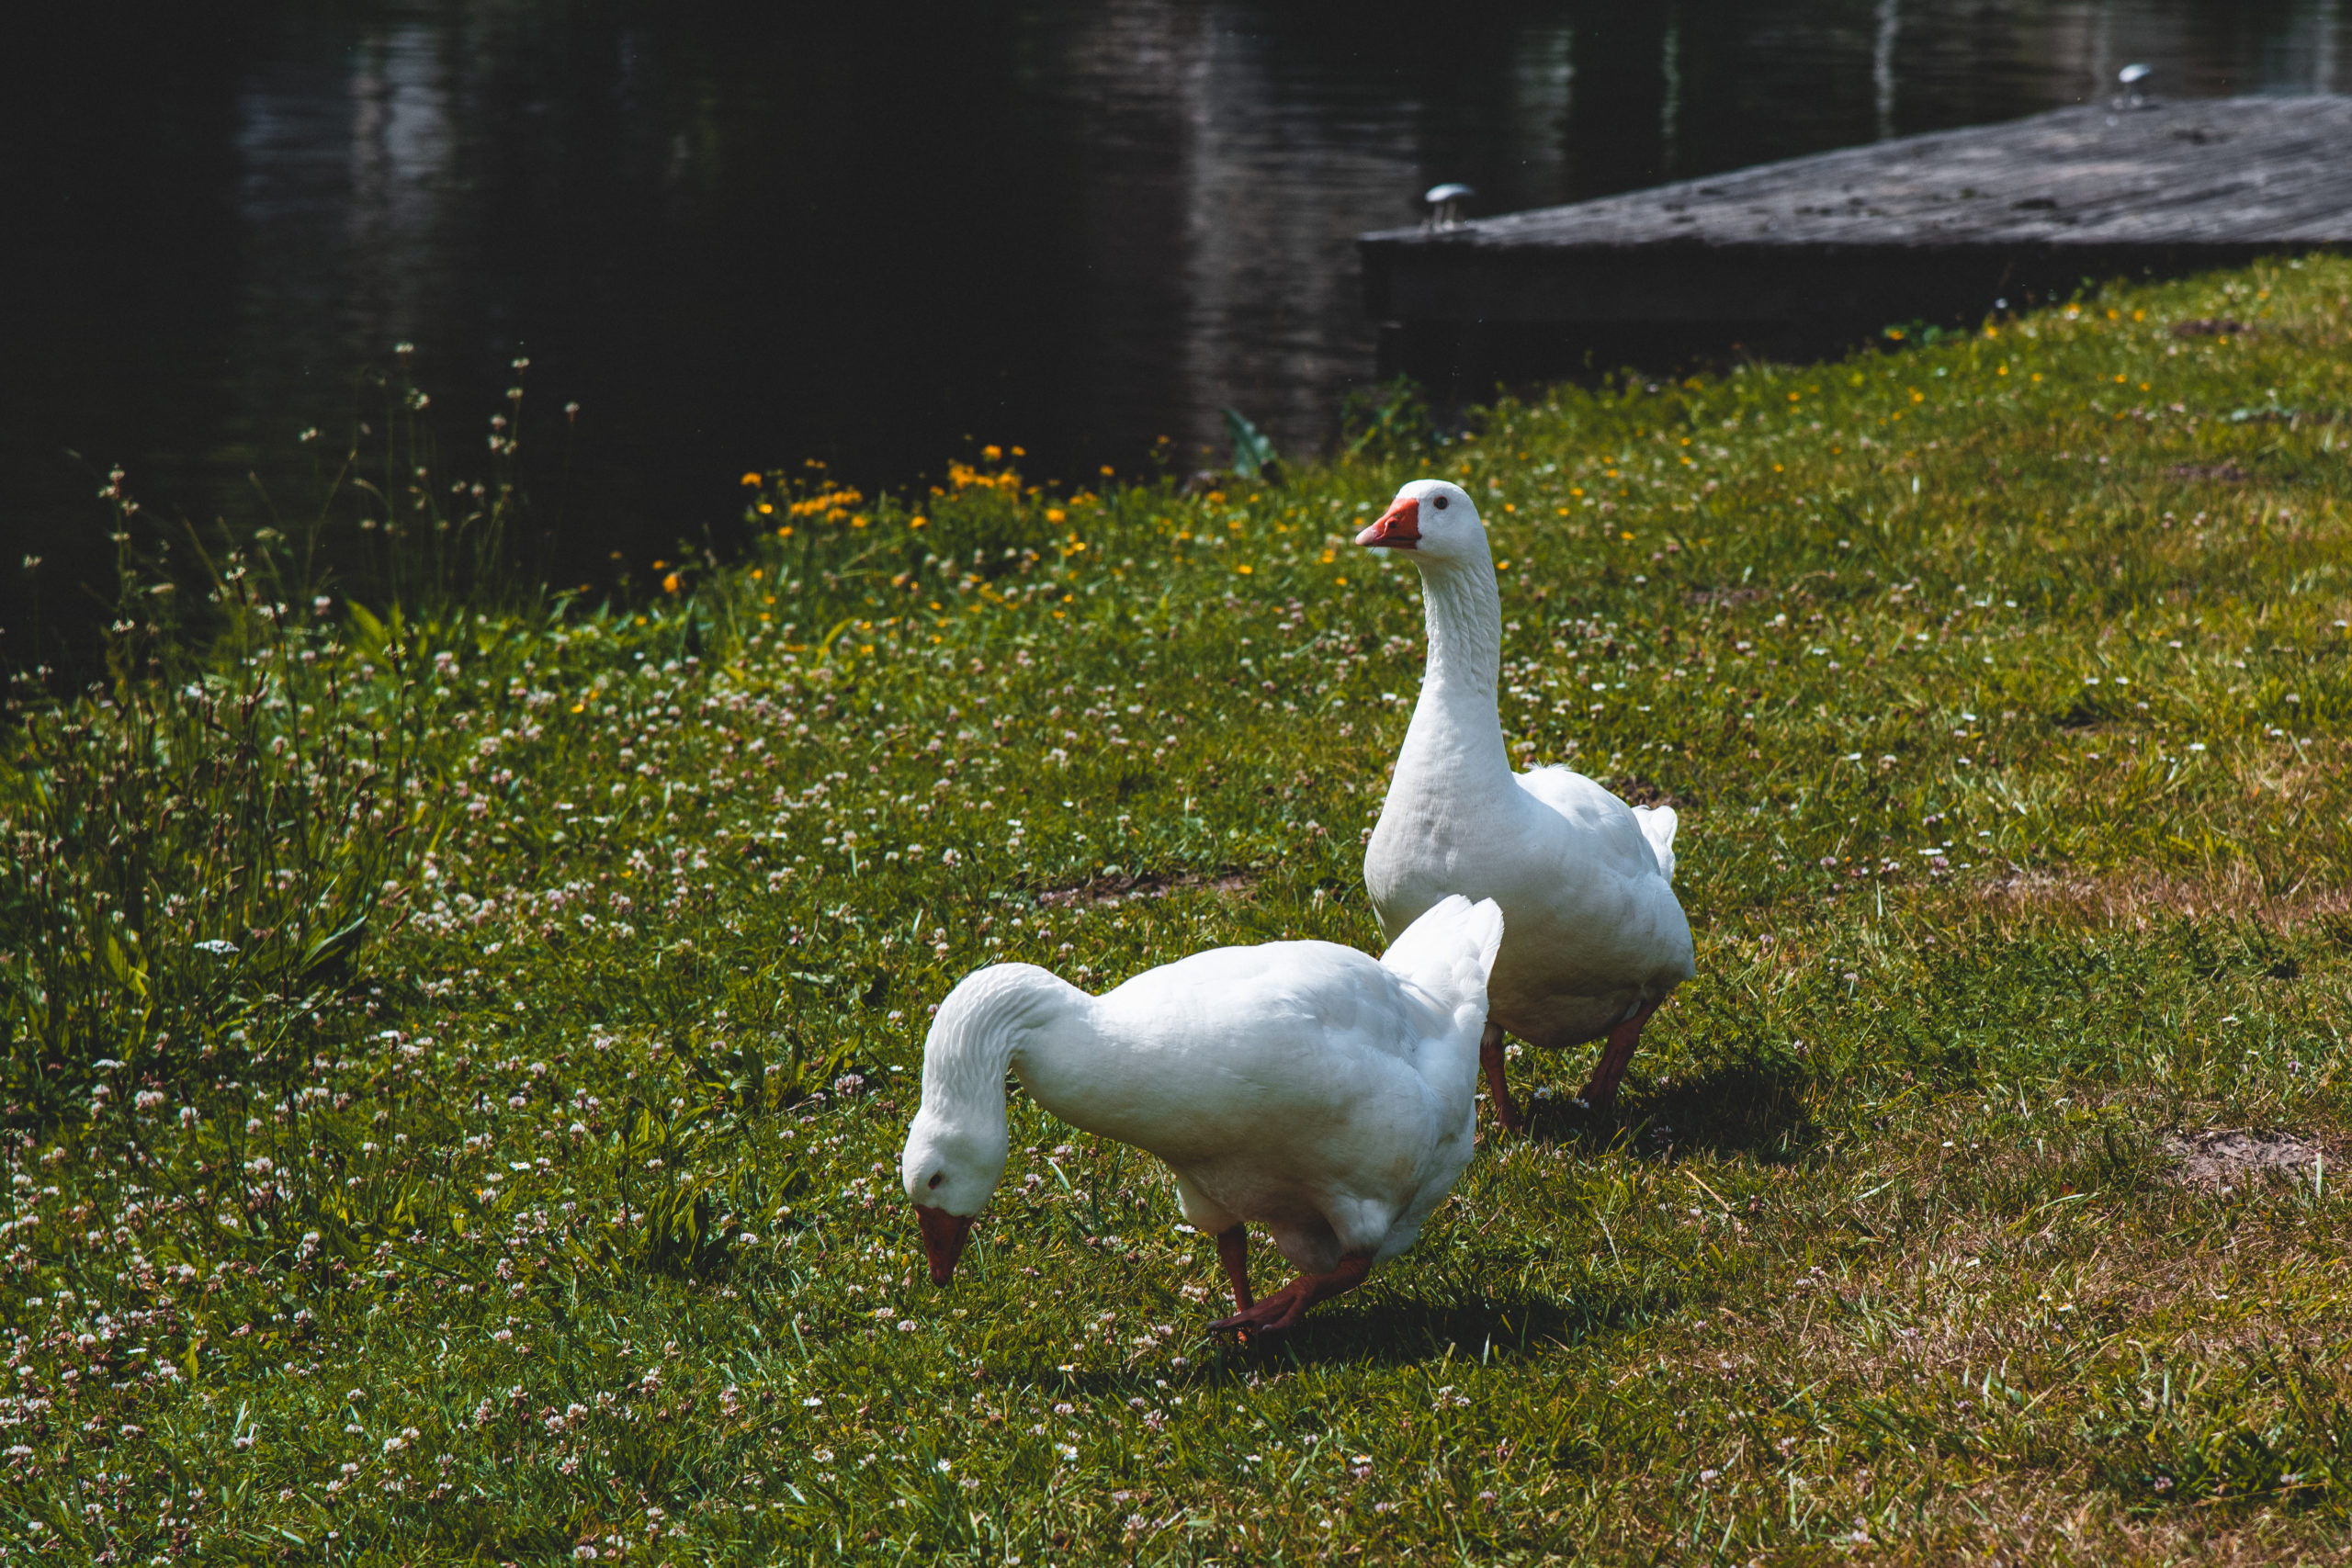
x=455, y=1060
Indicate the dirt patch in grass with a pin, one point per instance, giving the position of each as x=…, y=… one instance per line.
x=1635, y=790
x=2217, y=473
x=2227, y=1157
x=2135, y=898
x=2209, y=326
x=1725, y=598
x=1106, y=892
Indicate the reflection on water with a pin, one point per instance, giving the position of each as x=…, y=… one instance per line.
x=739, y=236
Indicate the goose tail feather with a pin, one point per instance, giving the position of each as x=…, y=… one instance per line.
x=1656, y=823
x=1450, y=951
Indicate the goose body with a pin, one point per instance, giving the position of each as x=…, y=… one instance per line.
x=1301, y=1086
x=1596, y=937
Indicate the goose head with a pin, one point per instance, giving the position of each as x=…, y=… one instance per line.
x=949, y=1169
x=1434, y=520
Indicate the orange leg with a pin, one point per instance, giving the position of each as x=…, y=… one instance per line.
x=1490, y=1056
x=1602, y=1093
x=1280, y=1312
x=1233, y=1251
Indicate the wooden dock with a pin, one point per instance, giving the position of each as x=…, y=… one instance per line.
x=1800, y=258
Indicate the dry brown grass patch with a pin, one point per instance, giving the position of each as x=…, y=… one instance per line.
x=2138, y=899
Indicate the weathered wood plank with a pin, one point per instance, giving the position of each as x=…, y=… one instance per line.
x=1937, y=227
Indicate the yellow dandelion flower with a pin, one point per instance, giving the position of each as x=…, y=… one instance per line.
x=1243, y=568
x=750, y=478
x=919, y=522
x=670, y=583
x=991, y=453
x=766, y=509
x=1055, y=514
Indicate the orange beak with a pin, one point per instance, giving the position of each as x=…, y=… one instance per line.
x=943, y=1239
x=1399, y=527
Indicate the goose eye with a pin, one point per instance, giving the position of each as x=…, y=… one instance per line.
x=937, y=1177
x=1440, y=502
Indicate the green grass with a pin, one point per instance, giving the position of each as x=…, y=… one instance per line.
x=520, y=1176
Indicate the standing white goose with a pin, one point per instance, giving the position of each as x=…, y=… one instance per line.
x=1329, y=1097
x=1597, y=938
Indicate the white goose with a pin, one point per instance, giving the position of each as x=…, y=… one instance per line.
x=1597, y=937
x=1328, y=1097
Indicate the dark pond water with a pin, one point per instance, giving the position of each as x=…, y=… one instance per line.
x=744, y=234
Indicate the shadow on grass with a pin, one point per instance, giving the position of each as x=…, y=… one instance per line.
x=1396, y=1333
x=1750, y=1108
x=1411, y=1332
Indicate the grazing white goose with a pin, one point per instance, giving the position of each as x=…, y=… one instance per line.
x=1597, y=937
x=1327, y=1096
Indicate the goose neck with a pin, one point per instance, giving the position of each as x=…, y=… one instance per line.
x=1463, y=613
x=981, y=1031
